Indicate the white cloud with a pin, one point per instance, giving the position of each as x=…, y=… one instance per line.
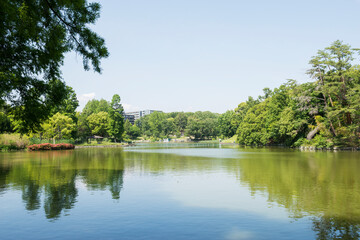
x=84, y=98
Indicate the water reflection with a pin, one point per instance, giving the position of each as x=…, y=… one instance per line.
x=54, y=175
x=323, y=186
x=31, y=195
x=4, y=171
x=59, y=197
x=306, y=183
x=336, y=228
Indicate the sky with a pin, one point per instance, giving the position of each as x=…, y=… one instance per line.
x=207, y=55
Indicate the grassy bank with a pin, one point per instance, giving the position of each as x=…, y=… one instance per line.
x=229, y=140
x=13, y=141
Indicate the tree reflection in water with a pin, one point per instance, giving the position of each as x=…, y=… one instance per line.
x=31, y=195
x=54, y=174
x=59, y=197
x=4, y=171
x=336, y=228
x=323, y=185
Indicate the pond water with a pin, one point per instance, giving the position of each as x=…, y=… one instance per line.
x=189, y=191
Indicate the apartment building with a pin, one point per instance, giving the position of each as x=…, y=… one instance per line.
x=139, y=114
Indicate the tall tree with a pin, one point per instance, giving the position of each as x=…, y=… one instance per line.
x=334, y=73
x=34, y=37
x=58, y=126
x=181, y=121
x=68, y=105
x=116, y=119
x=5, y=123
x=99, y=123
x=226, y=129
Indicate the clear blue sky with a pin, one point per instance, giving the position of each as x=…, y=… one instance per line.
x=191, y=55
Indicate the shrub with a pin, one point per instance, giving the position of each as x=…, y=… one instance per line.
x=48, y=146
x=39, y=141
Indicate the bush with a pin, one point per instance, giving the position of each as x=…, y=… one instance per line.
x=300, y=142
x=321, y=142
x=8, y=147
x=48, y=146
x=40, y=141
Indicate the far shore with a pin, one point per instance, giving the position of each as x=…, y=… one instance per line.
x=104, y=146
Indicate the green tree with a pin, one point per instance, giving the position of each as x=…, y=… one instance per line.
x=99, y=123
x=180, y=122
x=252, y=129
x=5, y=122
x=337, y=80
x=92, y=107
x=116, y=119
x=95, y=106
x=156, y=124
x=272, y=119
x=68, y=105
x=131, y=131
x=34, y=37
x=202, y=125
x=226, y=128
x=58, y=126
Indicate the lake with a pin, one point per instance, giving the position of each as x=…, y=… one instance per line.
x=182, y=191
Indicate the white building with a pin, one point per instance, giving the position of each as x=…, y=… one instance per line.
x=139, y=114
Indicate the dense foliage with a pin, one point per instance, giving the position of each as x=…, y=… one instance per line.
x=34, y=37
x=198, y=125
x=323, y=113
x=102, y=118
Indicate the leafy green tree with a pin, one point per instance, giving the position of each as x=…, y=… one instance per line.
x=131, y=131
x=92, y=107
x=99, y=123
x=180, y=122
x=156, y=124
x=241, y=110
x=226, y=128
x=58, y=126
x=34, y=37
x=68, y=105
x=252, y=129
x=116, y=119
x=336, y=77
x=143, y=124
x=96, y=106
x=202, y=125
x=5, y=122
x=271, y=121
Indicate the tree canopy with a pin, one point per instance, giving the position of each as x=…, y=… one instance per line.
x=323, y=113
x=34, y=37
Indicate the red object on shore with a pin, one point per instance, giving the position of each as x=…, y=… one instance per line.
x=49, y=146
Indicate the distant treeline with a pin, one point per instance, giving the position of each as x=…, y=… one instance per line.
x=323, y=113
x=198, y=125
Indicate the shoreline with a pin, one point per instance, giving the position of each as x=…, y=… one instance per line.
x=301, y=148
x=104, y=146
